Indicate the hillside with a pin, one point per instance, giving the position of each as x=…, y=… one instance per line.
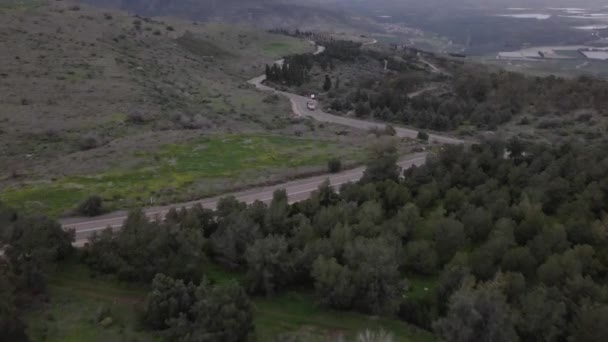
x=112, y=97
x=307, y=15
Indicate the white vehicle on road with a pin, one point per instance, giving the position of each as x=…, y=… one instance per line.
x=311, y=105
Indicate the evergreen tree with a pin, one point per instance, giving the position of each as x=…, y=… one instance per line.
x=327, y=83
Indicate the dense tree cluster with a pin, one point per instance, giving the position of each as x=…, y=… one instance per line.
x=483, y=99
x=290, y=73
x=461, y=94
x=513, y=235
x=202, y=313
x=29, y=248
x=143, y=248
x=294, y=70
x=292, y=33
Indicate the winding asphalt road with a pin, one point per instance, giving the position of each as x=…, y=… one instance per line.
x=299, y=107
x=297, y=190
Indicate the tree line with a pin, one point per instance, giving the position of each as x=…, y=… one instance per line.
x=477, y=97
x=295, y=69
x=466, y=94
x=511, y=237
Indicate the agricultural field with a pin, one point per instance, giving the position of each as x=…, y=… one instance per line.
x=567, y=68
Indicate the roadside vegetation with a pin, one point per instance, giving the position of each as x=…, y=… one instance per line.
x=179, y=172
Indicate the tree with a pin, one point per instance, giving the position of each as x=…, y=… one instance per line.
x=141, y=249
x=11, y=326
x=327, y=83
x=234, y=235
x=375, y=275
x=542, y=316
x=519, y=259
x=333, y=283
x=92, y=206
x=362, y=109
x=424, y=136
x=220, y=313
x=269, y=265
x=33, y=245
x=477, y=314
x=478, y=223
x=276, y=219
x=449, y=238
x=420, y=257
x=590, y=324
x=334, y=165
x=382, y=162
x=29, y=248
x=168, y=299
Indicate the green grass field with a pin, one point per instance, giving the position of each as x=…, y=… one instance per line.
x=297, y=312
x=280, y=48
x=6, y=5
x=76, y=298
x=175, y=170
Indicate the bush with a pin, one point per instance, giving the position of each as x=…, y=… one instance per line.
x=390, y=130
x=334, y=165
x=87, y=143
x=92, y=206
x=524, y=121
x=424, y=136
x=274, y=98
x=136, y=118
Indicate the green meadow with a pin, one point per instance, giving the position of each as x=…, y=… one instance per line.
x=202, y=167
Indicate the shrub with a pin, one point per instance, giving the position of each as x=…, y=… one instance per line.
x=334, y=165
x=87, y=143
x=424, y=136
x=136, y=118
x=274, y=98
x=92, y=206
x=390, y=130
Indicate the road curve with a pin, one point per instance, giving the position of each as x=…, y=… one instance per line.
x=299, y=107
x=297, y=190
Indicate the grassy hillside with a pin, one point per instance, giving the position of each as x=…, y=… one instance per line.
x=87, y=93
x=305, y=15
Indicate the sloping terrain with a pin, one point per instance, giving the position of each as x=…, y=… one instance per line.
x=74, y=79
x=86, y=92
x=307, y=15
